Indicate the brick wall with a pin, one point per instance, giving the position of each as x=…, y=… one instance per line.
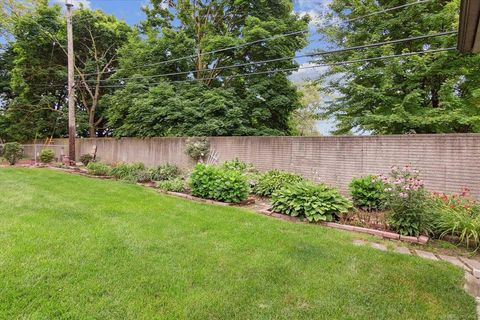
x=447, y=162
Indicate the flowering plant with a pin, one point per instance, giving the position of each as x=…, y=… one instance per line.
x=407, y=201
x=459, y=215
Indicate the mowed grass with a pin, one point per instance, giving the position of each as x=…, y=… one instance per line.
x=73, y=247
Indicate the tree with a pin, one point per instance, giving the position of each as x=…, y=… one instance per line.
x=430, y=93
x=304, y=119
x=263, y=103
x=97, y=38
x=38, y=71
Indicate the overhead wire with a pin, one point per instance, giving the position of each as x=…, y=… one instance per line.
x=407, y=54
x=268, y=38
x=313, y=54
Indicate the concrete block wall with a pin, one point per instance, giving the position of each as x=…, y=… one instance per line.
x=447, y=162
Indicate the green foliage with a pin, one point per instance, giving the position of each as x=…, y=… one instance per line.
x=246, y=169
x=174, y=185
x=408, y=202
x=12, y=152
x=86, y=159
x=428, y=93
x=197, y=148
x=135, y=172
x=367, y=192
x=165, y=172
x=98, y=169
x=211, y=182
x=274, y=180
x=47, y=155
x=457, y=215
x=219, y=105
x=315, y=202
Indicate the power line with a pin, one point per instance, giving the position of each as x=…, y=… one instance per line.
x=268, y=38
x=314, y=54
x=304, y=68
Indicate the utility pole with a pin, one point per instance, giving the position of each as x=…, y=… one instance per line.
x=72, y=132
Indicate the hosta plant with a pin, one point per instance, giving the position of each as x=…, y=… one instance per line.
x=315, y=202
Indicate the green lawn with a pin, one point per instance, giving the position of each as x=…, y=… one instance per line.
x=79, y=248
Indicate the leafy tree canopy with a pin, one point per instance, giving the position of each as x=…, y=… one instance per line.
x=430, y=93
x=211, y=99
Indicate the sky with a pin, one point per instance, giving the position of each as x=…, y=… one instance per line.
x=130, y=11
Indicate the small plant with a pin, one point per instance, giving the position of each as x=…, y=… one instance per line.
x=165, y=172
x=367, y=192
x=98, y=169
x=274, y=180
x=315, y=202
x=47, y=155
x=210, y=182
x=197, y=148
x=124, y=171
x=12, y=152
x=407, y=201
x=459, y=216
x=86, y=159
x=174, y=185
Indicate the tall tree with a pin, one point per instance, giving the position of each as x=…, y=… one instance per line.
x=173, y=29
x=430, y=93
x=38, y=73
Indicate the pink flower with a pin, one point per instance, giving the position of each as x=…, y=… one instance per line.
x=403, y=195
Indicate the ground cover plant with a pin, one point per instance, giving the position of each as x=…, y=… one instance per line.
x=121, y=251
x=175, y=185
x=132, y=172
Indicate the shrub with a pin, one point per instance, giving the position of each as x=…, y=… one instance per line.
x=316, y=202
x=135, y=172
x=12, y=152
x=165, y=172
x=86, y=159
x=367, y=192
x=407, y=201
x=197, y=148
x=207, y=181
x=458, y=215
x=175, y=185
x=47, y=155
x=247, y=169
x=98, y=169
x=274, y=180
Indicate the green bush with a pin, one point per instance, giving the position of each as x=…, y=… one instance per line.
x=86, y=159
x=368, y=193
x=274, y=180
x=165, y=172
x=98, y=169
x=210, y=182
x=457, y=215
x=315, y=202
x=47, y=155
x=408, y=202
x=135, y=172
x=12, y=152
x=247, y=169
x=175, y=185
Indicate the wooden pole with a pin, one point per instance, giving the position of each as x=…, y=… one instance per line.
x=72, y=132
